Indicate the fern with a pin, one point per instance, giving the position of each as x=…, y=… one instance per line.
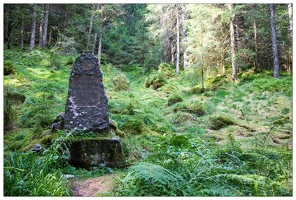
x=154, y=178
x=152, y=172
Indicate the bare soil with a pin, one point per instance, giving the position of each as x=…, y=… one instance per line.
x=90, y=187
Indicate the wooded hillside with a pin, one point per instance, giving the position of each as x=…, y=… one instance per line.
x=200, y=96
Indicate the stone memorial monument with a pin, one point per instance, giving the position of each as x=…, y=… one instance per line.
x=87, y=112
x=87, y=103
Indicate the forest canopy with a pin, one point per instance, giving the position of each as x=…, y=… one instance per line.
x=148, y=34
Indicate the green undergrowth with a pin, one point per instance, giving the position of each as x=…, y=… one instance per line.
x=189, y=166
x=234, y=139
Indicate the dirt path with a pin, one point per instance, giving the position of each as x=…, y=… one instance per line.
x=90, y=187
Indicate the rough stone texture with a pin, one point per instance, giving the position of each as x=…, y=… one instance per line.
x=87, y=103
x=58, y=123
x=91, y=152
x=36, y=147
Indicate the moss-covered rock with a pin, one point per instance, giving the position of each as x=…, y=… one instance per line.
x=169, y=88
x=156, y=80
x=174, y=98
x=92, y=152
x=113, y=125
x=133, y=124
x=196, y=90
x=157, y=83
x=9, y=68
x=166, y=70
x=218, y=121
x=197, y=109
x=120, y=82
x=181, y=118
x=179, y=140
x=147, y=82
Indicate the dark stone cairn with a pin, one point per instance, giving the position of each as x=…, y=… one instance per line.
x=87, y=111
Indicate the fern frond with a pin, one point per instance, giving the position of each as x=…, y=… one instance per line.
x=250, y=180
x=155, y=173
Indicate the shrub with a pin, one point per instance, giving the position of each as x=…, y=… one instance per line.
x=166, y=70
x=174, y=98
x=9, y=68
x=120, y=82
x=156, y=81
x=179, y=140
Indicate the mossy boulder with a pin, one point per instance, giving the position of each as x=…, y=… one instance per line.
x=169, y=88
x=215, y=82
x=114, y=126
x=157, y=83
x=9, y=68
x=147, y=82
x=174, y=98
x=156, y=80
x=120, y=82
x=197, y=109
x=181, y=118
x=195, y=90
x=133, y=124
x=166, y=70
x=179, y=140
x=220, y=121
x=15, y=97
x=93, y=152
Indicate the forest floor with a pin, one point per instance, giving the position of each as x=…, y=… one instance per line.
x=256, y=111
x=89, y=187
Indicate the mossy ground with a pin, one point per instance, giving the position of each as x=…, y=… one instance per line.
x=257, y=106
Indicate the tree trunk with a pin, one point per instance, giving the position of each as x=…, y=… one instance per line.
x=290, y=11
x=202, y=79
x=40, y=35
x=100, y=34
x=90, y=29
x=178, y=42
x=255, y=42
x=22, y=33
x=41, y=26
x=33, y=29
x=44, y=36
x=232, y=44
x=276, y=68
x=95, y=42
x=185, y=59
x=7, y=27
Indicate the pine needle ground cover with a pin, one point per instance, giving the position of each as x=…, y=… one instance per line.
x=231, y=140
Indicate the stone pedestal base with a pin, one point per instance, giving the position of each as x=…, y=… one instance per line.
x=91, y=152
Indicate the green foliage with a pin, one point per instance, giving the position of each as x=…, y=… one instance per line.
x=179, y=140
x=120, y=82
x=84, y=173
x=174, y=98
x=272, y=84
x=193, y=167
x=218, y=121
x=9, y=68
x=156, y=81
x=133, y=125
x=9, y=111
x=152, y=179
x=36, y=174
x=166, y=70
x=185, y=149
